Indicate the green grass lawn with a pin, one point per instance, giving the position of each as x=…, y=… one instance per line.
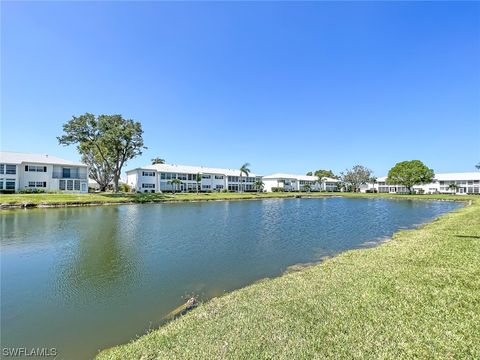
x=415, y=296
x=106, y=198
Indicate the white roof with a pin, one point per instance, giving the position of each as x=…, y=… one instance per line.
x=291, y=176
x=10, y=157
x=449, y=176
x=298, y=177
x=458, y=176
x=187, y=169
x=328, y=179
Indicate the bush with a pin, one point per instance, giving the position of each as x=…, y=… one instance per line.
x=7, y=191
x=31, y=191
x=124, y=187
x=278, y=189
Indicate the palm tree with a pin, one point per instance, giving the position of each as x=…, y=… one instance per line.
x=243, y=170
x=307, y=187
x=174, y=183
x=259, y=184
x=198, y=179
x=319, y=181
x=453, y=187
x=478, y=166
x=158, y=160
x=373, y=181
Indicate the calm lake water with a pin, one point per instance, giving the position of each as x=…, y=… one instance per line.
x=83, y=279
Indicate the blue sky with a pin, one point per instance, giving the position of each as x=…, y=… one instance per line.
x=288, y=87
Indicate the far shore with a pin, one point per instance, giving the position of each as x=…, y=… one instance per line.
x=55, y=200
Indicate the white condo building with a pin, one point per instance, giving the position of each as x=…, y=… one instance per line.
x=158, y=177
x=19, y=171
x=291, y=182
x=466, y=183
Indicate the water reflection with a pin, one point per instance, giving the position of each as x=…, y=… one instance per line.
x=101, y=263
x=82, y=279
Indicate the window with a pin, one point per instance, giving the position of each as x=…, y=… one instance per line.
x=37, y=184
x=34, y=168
x=182, y=176
x=84, y=187
x=69, y=184
x=11, y=169
x=148, y=186
x=205, y=187
x=65, y=172
x=206, y=176
x=219, y=187
x=148, y=173
x=9, y=184
x=2, y=168
x=219, y=177
x=1, y=184
x=162, y=176
x=76, y=185
x=61, y=185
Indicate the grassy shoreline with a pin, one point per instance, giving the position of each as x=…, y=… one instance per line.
x=9, y=201
x=416, y=295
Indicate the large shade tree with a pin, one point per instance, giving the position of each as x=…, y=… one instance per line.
x=323, y=174
x=410, y=173
x=99, y=170
x=356, y=176
x=110, y=138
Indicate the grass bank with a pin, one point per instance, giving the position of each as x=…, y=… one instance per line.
x=36, y=200
x=415, y=296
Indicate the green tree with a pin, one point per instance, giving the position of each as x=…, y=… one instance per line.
x=98, y=169
x=453, y=187
x=259, y=184
x=478, y=166
x=410, y=173
x=307, y=187
x=373, y=181
x=115, y=139
x=244, y=169
x=198, y=179
x=158, y=160
x=175, y=183
x=356, y=176
x=324, y=173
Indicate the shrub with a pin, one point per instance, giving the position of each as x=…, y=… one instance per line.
x=278, y=189
x=125, y=187
x=7, y=191
x=31, y=191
